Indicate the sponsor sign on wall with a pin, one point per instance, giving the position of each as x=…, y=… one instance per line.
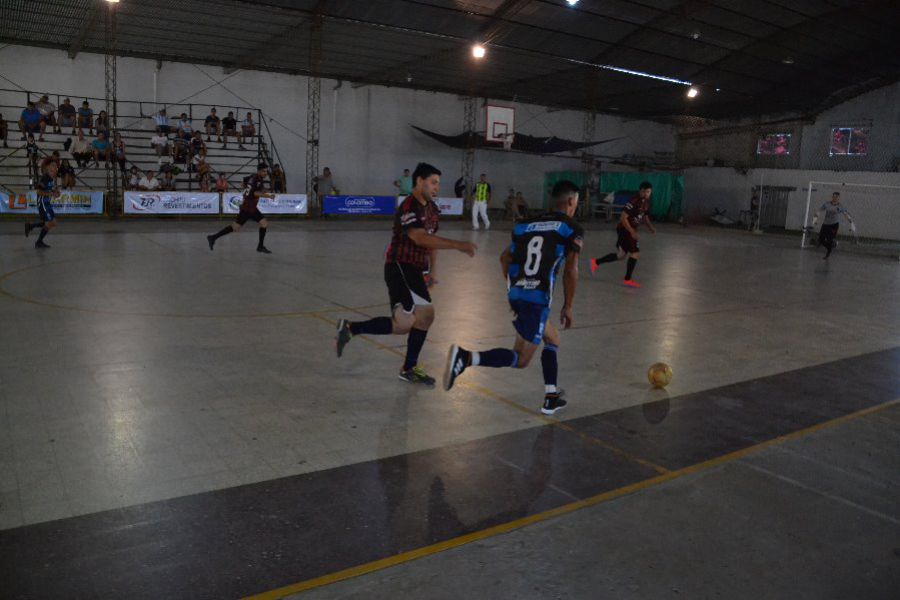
x=281, y=204
x=171, y=203
x=69, y=202
x=358, y=205
x=448, y=206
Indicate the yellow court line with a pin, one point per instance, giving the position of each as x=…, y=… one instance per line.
x=411, y=555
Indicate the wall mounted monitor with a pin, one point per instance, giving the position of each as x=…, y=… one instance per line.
x=774, y=144
x=849, y=141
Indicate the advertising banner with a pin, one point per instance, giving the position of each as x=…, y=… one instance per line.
x=358, y=205
x=69, y=202
x=281, y=204
x=448, y=206
x=171, y=203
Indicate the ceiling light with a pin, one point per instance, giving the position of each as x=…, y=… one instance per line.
x=572, y=2
x=692, y=93
x=787, y=60
x=696, y=35
x=478, y=51
x=113, y=1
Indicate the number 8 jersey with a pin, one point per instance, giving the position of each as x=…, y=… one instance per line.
x=539, y=246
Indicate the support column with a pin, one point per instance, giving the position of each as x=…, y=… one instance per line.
x=470, y=123
x=113, y=206
x=313, y=103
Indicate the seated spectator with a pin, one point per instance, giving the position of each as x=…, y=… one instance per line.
x=102, y=123
x=197, y=145
x=86, y=117
x=4, y=131
x=81, y=150
x=101, y=147
x=67, y=174
x=162, y=122
x=520, y=207
x=160, y=142
x=279, y=182
x=185, y=127
x=202, y=169
x=221, y=184
x=31, y=121
x=213, y=125
x=149, y=182
x=118, y=152
x=67, y=115
x=168, y=181
x=48, y=111
x=248, y=130
x=32, y=152
x=134, y=178
x=180, y=151
x=229, y=127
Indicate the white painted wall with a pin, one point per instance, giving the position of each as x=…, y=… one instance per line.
x=365, y=133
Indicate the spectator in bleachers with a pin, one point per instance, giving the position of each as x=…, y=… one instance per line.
x=101, y=147
x=185, y=127
x=118, y=152
x=4, y=131
x=31, y=121
x=203, y=173
x=67, y=115
x=248, y=130
x=160, y=143
x=197, y=145
x=221, y=185
x=102, y=123
x=149, y=182
x=67, y=174
x=48, y=112
x=213, y=125
x=168, y=181
x=86, y=117
x=520, y=207
x=279, y=181
x=32, y=152
x=81, y=150
x=162, y=122
x=134, y=178
x=229, y=127
x=180, y=151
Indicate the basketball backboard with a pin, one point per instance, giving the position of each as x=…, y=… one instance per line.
x=499, y=122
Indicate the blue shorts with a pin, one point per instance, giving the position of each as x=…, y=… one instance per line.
x=530, y=320
x=45, y=209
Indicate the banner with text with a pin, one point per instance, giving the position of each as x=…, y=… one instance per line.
x=448, y=206
x=358, y=205
x=171, y=203
x=281, y=204
x=69, y=202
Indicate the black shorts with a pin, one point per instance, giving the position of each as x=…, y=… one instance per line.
x=406, y=286
x=828, y=233
x=626, y=242
x=244, y=216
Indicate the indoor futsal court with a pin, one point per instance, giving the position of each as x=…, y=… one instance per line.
x=449, y=299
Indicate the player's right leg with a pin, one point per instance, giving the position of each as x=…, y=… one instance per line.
x=233, y=228
x=402, y=317
x=553, y=395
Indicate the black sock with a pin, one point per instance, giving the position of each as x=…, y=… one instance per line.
x=35, y=225
x=829, y=246
x=414, y=344
x=262, y=236
x=631, y=264
x=44, y=231
x=376, y=326
x=496, y=358
x=611, y=257
x=550, y=367
x=225, y=231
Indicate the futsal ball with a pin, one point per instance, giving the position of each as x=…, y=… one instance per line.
x=659, y=375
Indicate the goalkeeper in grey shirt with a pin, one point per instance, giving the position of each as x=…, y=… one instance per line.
x=833, y=210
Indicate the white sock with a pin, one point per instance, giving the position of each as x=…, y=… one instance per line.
x=476, y=359
x=550, y=389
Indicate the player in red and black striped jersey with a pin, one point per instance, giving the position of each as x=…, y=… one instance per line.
x=413, y=250
x=635, y=213
x=253, y=189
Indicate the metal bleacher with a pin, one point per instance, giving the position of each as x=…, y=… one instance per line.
x=136, y=124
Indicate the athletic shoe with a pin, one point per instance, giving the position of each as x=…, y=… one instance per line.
x=41, y=245
x=211, y=240
x=553, y=403
x=344, y=335
x=594, y=266
x=631, y=283
x=417, y=375
x=263, y=249
x=27, y=229
x=457, y=361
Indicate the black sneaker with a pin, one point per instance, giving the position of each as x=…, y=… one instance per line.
x=457, y=361
x=263, y=249
x=417, y=375
x=553, y=403
x=28, y=229
x=41, y=245
x=211, y=240
x=344, y=335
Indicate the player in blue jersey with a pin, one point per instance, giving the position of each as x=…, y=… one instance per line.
x=46, y=190
x=530, y=265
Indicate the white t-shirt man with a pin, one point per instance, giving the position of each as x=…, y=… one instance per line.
x=159, y=143
x=149, y=184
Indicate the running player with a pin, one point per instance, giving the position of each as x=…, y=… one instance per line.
x=636, y=212
x=833, y=210
x=539, y=246
x=252, y=193
x=412, y=251
x=46, y=189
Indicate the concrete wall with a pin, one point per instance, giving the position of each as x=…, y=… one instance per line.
x=365, y=134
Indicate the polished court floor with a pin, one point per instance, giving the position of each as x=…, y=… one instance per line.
x=174, y=423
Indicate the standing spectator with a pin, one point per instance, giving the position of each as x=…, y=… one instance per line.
x=221, y=185
x=160, y=143
x=134, y=179
x=67, y=115
x=185, y=127
x=118, y=152
x=32, y=152
x=324, y=184
x=102, y=124
x=81, y=150
x=149, y=182
x=229, y=127
x=162, y=122
x=100, y=147
x=279, y=181
x=4, y=130
x=202, y=173
x=248, y=130
x=67, y=173
x=86, y=117
x=31, y=121
x=404, y=184
x=482, y=192
x=213, y=125
x=168, y=181
x=48, y=112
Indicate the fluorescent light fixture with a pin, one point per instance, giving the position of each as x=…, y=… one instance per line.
x=113, y=1
x=478, y=51
x=572, y=2
x=692, y=93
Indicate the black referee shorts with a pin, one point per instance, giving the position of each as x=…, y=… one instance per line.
x=406, y=286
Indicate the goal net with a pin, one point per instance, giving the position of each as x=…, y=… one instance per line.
x=875, y=210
